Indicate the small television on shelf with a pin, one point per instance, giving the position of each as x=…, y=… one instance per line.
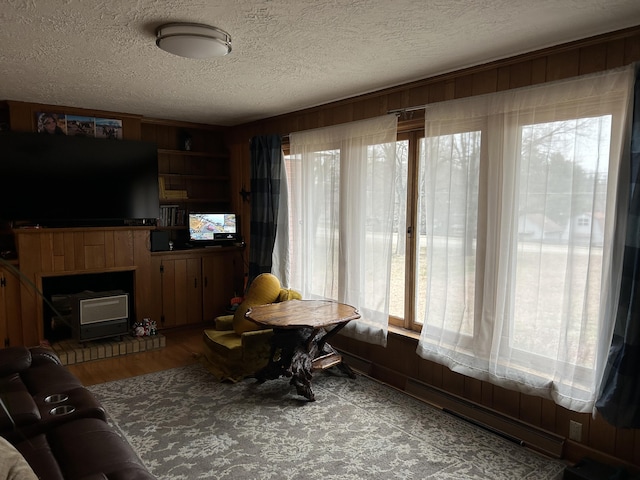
x=212, y=228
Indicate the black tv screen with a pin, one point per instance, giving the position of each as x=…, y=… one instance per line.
x=59, y=180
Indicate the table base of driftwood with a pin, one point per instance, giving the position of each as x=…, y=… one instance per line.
x=298, y=352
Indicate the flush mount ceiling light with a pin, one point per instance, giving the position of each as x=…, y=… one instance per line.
x=193, y=40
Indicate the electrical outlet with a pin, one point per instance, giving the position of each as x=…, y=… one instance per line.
x=575, y=430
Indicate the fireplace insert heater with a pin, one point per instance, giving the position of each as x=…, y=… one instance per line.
x=94, y=315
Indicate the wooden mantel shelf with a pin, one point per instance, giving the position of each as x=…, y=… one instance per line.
x=40, y=230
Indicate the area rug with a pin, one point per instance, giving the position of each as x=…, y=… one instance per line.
x=185, y=425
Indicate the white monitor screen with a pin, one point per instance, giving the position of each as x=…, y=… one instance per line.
x=212, y=226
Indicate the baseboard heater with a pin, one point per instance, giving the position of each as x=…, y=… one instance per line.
x=507, y=427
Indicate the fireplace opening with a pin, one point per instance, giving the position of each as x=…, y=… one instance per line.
x=88, y=306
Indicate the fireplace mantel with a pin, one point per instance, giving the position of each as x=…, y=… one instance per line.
x=45, y=252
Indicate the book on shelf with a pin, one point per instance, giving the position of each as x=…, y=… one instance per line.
x=172, y=216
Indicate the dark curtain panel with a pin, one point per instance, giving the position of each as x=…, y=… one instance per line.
x=266, y=166
x=619, y=401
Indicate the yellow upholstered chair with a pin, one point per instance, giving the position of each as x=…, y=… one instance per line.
x=237, y=347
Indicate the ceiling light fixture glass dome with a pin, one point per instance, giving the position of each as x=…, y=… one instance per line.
x=193, y=40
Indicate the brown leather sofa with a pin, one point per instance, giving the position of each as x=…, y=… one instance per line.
x=57, y=424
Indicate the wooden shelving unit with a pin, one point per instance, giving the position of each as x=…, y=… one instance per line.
x=193, y=171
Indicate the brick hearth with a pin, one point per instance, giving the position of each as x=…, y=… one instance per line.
x=71, y=351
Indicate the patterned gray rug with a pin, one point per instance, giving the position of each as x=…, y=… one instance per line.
x=185, y=425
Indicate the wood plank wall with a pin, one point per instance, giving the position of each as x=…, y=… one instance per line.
x=398, y=362
x=22, y=117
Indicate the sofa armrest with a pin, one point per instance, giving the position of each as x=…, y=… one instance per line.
x=14, y=360
x=256, y=348
x=17, y=410
x=41, y=355
x=224, y=322
x=255, y=339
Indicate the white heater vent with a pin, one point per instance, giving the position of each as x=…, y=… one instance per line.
x=103, y=309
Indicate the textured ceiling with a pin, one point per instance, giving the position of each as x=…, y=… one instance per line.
x=287, y=54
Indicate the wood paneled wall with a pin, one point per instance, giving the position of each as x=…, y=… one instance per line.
x=22, y=117
x=398, y=361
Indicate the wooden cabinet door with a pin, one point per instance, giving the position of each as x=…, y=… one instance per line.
x=194, y=291
x=181, y=297
x=10, y=318
x=219, y=279
x=193, y=287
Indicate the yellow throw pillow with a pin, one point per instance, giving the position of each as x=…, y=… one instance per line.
x=264, y=289
x=288, y=294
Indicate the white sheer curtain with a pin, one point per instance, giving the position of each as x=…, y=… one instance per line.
x=519, y=202
x=341, y=217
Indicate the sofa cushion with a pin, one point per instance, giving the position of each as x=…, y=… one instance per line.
x=88, y=446
x=48, y=378
x=85, y=449
x=264, y=289
x=224, y=322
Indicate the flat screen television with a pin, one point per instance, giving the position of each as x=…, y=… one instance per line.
x=210, y=228
x=59, y=180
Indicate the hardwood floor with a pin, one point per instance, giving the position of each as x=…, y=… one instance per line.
x=182, y=347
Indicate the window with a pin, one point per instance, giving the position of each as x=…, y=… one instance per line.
x=495, y=241
x=518, y=194
x=342, y=214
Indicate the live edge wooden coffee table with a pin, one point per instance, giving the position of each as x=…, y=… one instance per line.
x=299, y=343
